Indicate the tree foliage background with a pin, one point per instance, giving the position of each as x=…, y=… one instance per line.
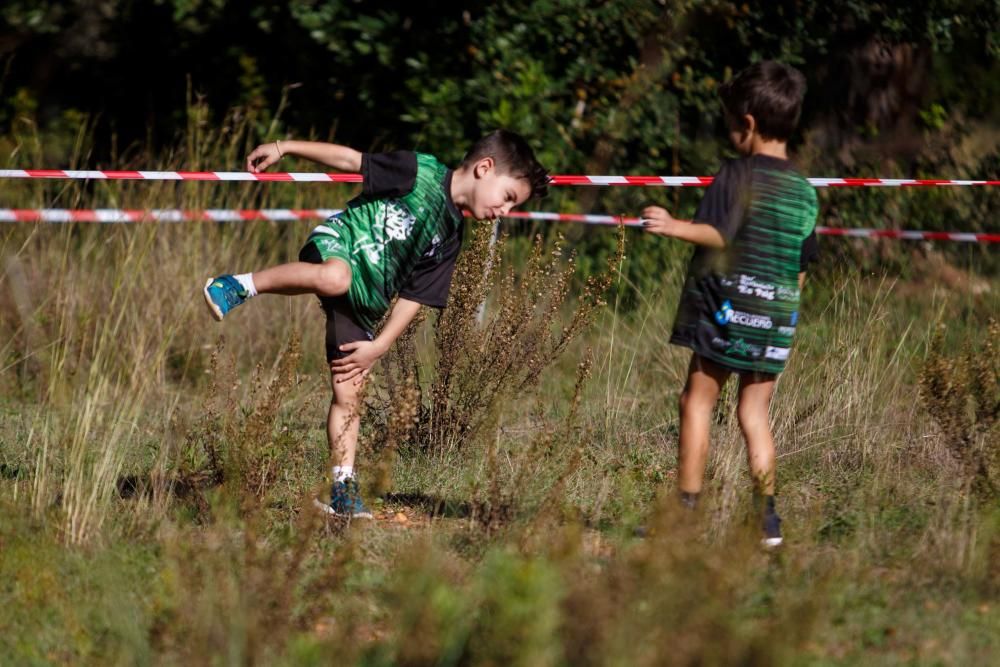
x=620, y=86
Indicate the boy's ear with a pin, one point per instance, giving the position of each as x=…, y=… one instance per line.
x=483, y=167
x=749, y=123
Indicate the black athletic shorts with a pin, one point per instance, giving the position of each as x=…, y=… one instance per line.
x=341, y=326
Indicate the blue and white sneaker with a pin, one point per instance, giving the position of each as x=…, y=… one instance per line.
x=345, y=501
x=224, y=293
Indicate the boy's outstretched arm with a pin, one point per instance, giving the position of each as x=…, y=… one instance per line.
x=341, y=158
x=656, y=220
x=364, y=354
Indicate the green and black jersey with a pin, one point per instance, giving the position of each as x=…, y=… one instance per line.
x=402, y=235
x=740, y=305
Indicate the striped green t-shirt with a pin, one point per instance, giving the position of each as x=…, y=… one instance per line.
x=401, y=236
x=740, y=305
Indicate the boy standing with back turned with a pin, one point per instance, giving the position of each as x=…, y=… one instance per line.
x=399, y=238
x=754, y=232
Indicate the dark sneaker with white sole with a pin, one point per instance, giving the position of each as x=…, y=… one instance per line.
x=772, y=530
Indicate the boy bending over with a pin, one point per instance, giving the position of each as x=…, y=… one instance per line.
x=399, y=238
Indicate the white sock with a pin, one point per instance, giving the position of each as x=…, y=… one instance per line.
x=246, y=279
x=340, y=473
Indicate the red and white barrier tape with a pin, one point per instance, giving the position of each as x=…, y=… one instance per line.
x=113, y=215
x=119, y=175
x=559, y=179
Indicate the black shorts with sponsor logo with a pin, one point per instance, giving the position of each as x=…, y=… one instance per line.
x=341, y=323
x=737, y=321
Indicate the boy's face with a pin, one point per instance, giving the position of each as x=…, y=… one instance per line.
x=495, y=193
x=741, y=131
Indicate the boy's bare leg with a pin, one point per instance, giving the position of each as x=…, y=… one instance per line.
x=754, y=404
x=704, y=383
x=331, y=278
x=342, y=433
x=343, y=421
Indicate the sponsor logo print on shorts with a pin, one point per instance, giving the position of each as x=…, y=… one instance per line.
x=752, y=286
x=739, y=347
x=751, y=320
x=777, y=353
x=726, y=315
x=788, y=294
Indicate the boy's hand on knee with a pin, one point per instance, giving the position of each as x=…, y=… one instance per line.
x=357, y=364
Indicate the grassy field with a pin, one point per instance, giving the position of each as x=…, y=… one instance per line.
x=156, y=468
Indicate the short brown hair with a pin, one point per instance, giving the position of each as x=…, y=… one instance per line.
x=771, y=92
x=512, y=155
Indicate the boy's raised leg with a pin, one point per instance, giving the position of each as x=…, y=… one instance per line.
x=226, y=292
x=704, y=383
x=331, y=278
